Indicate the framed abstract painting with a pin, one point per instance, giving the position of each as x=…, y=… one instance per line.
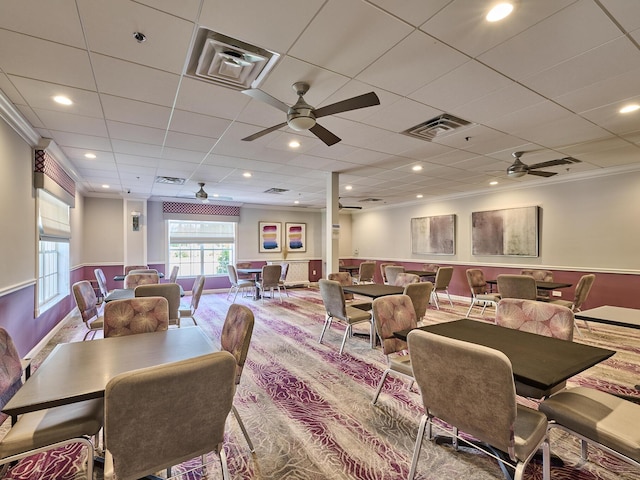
x=434, y=235
x=270, y=237
x=509, y=232
x=296, y=237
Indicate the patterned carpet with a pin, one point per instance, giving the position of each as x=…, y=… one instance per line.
x=308, y=410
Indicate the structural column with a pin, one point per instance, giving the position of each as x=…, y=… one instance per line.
x=333, y=224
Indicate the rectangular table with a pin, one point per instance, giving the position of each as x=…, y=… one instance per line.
x=540, y=285
x=349, y=268
x=79, y=371
x=256, y=272
x=537, y=361
x=120, y=278
x=422, y=273
x=620, y=316
x=127, y=293
x=373, y=290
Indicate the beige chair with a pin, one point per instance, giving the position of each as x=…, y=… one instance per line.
x=337, y=308
x=143, y=270
x=391, y=272
x=366, y=272
x=420, y=293
x=393, y=313
x=541, y=318
x=582, y=292
x=132, y=280
x=102, y=282
x=596, y=417
x=128, y=268
x=483, y=372
x=135, y=315
x=173, y=276
x=404, y=279
x=43, y=430
x=235, y=339
x=480, y=294
x=270, y=280
x=146, y=430
x=443, y=278
x=517, y=286
x=87, y=303
x=243, y=276
x=283, y=276
x=540, y=276
x=345, y=279
x=170, y=291
x=383, y=273
x=196, y=293
x=237, y=284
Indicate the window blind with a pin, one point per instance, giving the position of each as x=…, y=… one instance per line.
x=53, y=218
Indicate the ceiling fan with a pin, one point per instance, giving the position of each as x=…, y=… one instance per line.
x=201, y=194
x=302, y=116
x=519, y=169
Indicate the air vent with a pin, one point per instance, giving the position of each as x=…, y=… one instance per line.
x=170, y=180
x=436, y=127
x=276, y=190
x=229, y=62
x=370, y=200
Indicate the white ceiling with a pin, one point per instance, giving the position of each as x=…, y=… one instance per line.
x=548, y=80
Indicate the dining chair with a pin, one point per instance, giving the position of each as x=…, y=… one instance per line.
x=144, y=432
x=345, y=279
x=465, y=372
x=135, y=315
x=366, y=272
x=517, y=286
x=237, y=283
x=537, y=317
x=391, y=272
x=102, y=282
x=283, y=276
x=196, y=293
x=43, y=430
x=128, y=268
x=337, y=308
x=383, y=272
x=540, y=276
x=235, y=339
x=170, y=291
x=403, y=279
x=393, y=313
x=270, y=280
x=132, y=280
x=580, y=296
x=143, y=270
x=420, y=293
x=243, y=276
x=480, y=294
x=441, y=284
x=173, y=276
x=87, y=303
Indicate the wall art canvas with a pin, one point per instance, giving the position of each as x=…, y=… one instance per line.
x=434, y=235
x=510, y=232
x=270, y=237
x=296, y=237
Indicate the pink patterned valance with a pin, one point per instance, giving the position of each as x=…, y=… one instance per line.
x=200, y=211
x=50, y=176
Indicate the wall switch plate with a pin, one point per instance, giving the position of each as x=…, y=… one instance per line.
x=314, y=272
x=556, y=293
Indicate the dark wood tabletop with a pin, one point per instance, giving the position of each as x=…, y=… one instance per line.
x=120, y=278
x=422, y=273
x=541, y=285
x=373, y=290
x=349, y=268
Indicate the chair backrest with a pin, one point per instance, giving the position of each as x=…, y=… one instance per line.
x=403, y=279
x=539, y=275
x=170, y=291
x=10, y=370
x=271, y=275
x=86, y=300
x=285, y=270
x=517, y=286
x=383, y=272
x=196, y=292
x=143, y=270
x=340, y=262
x=236, y=334
x=138, y=443
x=233, y=275
x=128, y=268
x=419, y=293
x=344, y=279
x=443, y=278
x=333, y=298
x=430, y=267
x=535, y=317
x=132, y=280
x=476, y=281
x=393, y=313
x=102, y=281
x=367, y=271
x=244, y=276
x=173, y=277
x=135, y=315
x=391, y=272
x=484, y=373
x=582, y=291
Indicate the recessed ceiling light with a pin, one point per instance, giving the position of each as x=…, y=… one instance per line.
x=499, y=12
x=90, y=155
x=294, y=144
x=630, y=108
x=246, y=174
x=296, y=201
x=493, y=182
x=105, y=186
x=62, y=100
x=419, y=195
x=416, y=168
x=348, y=187
x=216, y=195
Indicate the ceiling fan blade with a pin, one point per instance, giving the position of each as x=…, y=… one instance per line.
x=541, y=174
x=552, y=163
x=264, y=132
x=325, y=135
x=266, y=98
x=367, y=100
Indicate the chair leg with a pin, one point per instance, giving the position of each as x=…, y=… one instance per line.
x=380, y=385
x=473, y=302
x=434, y=295
x=327, y=323
x=347, y=333
x=223, y=464
x=244, y=430
x=449, y=297
x=417, y=448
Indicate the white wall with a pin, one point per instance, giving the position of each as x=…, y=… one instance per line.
x=103, y=231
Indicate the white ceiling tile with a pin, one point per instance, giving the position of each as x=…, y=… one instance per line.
x=135, y=112
x=626, y=12
x=68, y=122
x=135, y=148
x=81, y=141
x=127, y=131
x=208, y=99
x=401, y=115
x=189, y=142
x=415, y=12
x=187, y=9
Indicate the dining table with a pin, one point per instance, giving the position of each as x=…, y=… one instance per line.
x=423, y=273
x=127, y=293
x=120, y=278
x=257, y=273
x=539, y=284
x=78, y=371
x=349, y=268
x=373, y=290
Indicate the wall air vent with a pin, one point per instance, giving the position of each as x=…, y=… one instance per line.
x=170, y=180
x=276, y=190
x=436, y=127
x=228, y=62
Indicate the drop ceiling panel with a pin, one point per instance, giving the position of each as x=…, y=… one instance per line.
x=625, y=12
x=189, y=142
x=205, y=98
x=197, y=124
x=72, y=123
x=179, y=155
x=401, y=115
x=127, y=131
x=81, y=141
x=136, y=148
x=187, y=9
x=415, y=12
x=135, y=112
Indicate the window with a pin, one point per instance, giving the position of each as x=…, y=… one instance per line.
x=201, y=248
x=53, y=251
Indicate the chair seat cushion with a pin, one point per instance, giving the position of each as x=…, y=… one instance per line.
x=530, y=428
x=564, y=303
x=355, y=315
x=97, y=324
x=46, y=427
x=400, y=363
x=362, y=305
x=488, y=297
x=599, y=416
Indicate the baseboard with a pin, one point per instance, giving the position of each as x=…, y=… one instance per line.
x=40, y=345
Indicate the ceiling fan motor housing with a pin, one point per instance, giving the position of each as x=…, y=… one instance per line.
x=300, y=116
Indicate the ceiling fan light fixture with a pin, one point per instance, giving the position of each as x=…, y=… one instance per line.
x=515, y=173
x=201, y=194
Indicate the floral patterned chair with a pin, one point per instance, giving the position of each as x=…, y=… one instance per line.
x=391, y=272
x=128, y=268
x=136, y=315
x=420, y=293
x=404, y=279
x=480, y=294
x=392, y=313
x=87, y=303
x=345, y=279
x=132, y=280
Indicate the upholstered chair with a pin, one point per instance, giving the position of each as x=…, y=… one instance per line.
x=485, y=373
x=366, y=272
x=345, y=279
x=237, y=284
x=441, y=284
x=136, y=315
x=383, y=273
x=147, y=430
x=132, y=280
x=102, y=282
x=420, y=293
x=128, y=268
x=43, y=430
x=173, y=276
x=393, y=313
x=283, y=276
x=235, y=339
x=270, y=280
x=87, y=303
x=517, y=286
x=540, y=276
x=480, y=294
x=243, y=276
x=337, y=308
x=196, y=293
x=582, y=292
x=170, y=291
x=391, y=272
x=404, y=279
